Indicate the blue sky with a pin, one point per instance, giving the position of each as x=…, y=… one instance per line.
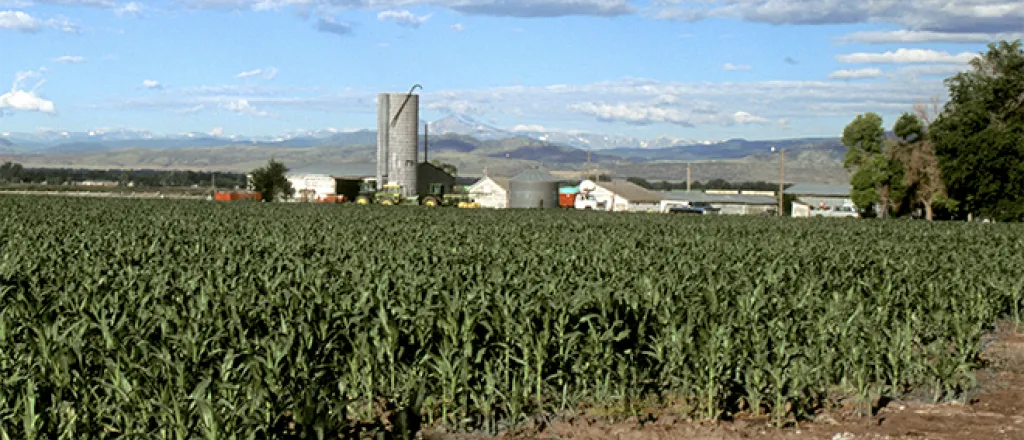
x=698, y=69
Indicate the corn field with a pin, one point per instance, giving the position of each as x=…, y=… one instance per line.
x=189, y=319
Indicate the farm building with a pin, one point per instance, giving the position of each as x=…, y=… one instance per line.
x=620, y=195
x=490, y=192
x=726, y=201
x=325, y=182
x=816, y=194
x=428, y=174
x=97, y=183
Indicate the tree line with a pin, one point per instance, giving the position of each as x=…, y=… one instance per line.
x=965, y=158
x=665, y=185
x=15, y=173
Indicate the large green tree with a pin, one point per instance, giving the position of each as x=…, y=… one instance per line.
x=915, y=152
x=979, y=137
x=271, y=182
x=872, y=170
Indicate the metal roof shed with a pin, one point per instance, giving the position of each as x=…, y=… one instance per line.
x=745, y=204
x=819, y=190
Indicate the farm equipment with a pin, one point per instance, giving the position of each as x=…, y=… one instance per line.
x=587, y=201
x=567, y=197
x=367, y=192
x=437, y=196
x=390, y=194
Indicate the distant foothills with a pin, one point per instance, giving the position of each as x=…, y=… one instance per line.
x=473, y=147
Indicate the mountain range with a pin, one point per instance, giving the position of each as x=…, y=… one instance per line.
x=472, y=146
x=55, y=141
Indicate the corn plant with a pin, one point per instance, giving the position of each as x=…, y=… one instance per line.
x=185, y=319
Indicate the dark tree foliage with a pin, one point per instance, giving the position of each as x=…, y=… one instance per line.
x=271, y=182
x=710, y=184
x=16, y=173
x=979, y=137
x=446, y=167
x=876, y=177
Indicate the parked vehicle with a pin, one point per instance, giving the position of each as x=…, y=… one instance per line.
x=390, y=194
x=567, y=196
x=437, y=196
x=588, y=201
x=701, y=208
x=846, y=210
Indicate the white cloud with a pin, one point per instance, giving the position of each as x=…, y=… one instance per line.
x=734, y=67
x=330, y=26
x=633, y=113
x=458, y=107
x=921, y=15
x=131, y=8
x=108, y=4
x=641, y=113
x=499, y=8
x=403, y=18
x=915, y=37
x=243, y=107
x=933, y=70
x=152, y=84
x=907, y=56
x=190, y=110
x=268, y=73
x=249, y=73
x=217, y=132
x=69, y=59
x=742, y=117
x=457, y=27
x=19, y=98
x=19, y=21
x=638, y=101
x=644, y=102
x=856, y=73
x=64, y=24
x=539, y=8
x=528, y=128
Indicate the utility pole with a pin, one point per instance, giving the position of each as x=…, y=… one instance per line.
x=782, y=177
x=588, y=165
x=687, y=177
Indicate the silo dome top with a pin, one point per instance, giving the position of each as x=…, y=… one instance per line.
x=534, y=176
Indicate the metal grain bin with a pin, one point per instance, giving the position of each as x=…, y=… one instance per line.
x=533, y=189
x=398, y=145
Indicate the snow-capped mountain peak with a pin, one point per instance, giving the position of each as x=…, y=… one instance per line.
x=465, y=125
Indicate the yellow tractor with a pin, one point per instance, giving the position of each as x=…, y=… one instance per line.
x=438, y=197
x=390, y=194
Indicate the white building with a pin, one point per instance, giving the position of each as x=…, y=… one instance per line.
x=312, y=187
x=621, y=195
x=816, y=199
x=490, y=192
x=729, y=202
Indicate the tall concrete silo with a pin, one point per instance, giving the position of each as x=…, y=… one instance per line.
x=398, y=117
x=533, y=189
